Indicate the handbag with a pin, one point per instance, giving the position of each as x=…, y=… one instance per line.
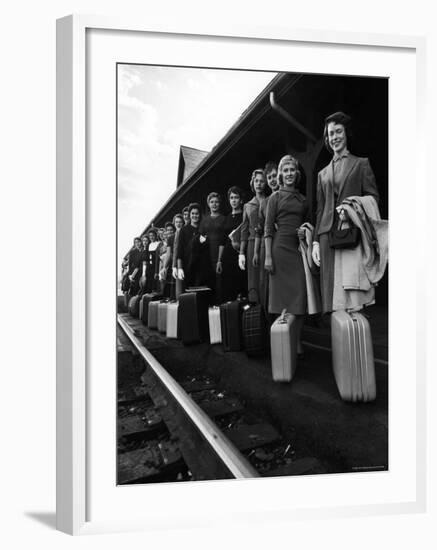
x=344, y=234
x=235, y=237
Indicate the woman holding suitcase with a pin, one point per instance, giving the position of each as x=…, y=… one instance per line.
x=345, y=176
x=287, y=209
x=248, y=227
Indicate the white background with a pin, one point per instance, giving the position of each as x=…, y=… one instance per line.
x=27, y=103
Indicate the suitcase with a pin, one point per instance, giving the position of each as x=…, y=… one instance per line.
x=215, y=331
x=193, y=315
x=162, y=315
x=152, y=317
x=352, y=356
x=230, y=319
x=172, y=329
x=283, y=347
x=255, y=333
x=134, y=306
x=144, y=305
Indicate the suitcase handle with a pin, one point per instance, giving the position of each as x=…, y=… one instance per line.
x=283, y=317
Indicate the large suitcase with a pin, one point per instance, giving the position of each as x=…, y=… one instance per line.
x=144, y=305
x=134, y=306
x=162, y=315
x=255, y=332
x=283, y=347
x=172, y=328
x=352, y=356
x=193, y=315
x=152, y=318
x=215, y=331
x=230, y=319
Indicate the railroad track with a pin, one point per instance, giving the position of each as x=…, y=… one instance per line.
x=186, y=427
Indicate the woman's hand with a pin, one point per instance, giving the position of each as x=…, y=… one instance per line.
x=301, y=232
x=131, y=278
x=316, y=253
x=242, y=261
x=255, y=259
x=181, y=274
x=219, y=267
x=174, y=272
x=268, y=265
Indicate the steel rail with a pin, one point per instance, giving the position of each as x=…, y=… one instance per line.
x=234, y=461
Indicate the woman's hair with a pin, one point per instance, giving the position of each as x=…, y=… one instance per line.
x=185, y=209
x=338, y=118
x=193, y=206
x=144, y=236
x=170, y=224
x=152, y=230
x=213, y=195
x=236, y=190
x=287, y=159
x=254, y=174
x=269, y=167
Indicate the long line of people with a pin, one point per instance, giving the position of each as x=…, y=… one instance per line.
x=266, y=253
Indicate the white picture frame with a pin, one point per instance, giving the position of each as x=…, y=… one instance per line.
x=74, y=224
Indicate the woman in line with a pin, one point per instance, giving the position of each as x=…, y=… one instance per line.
x=249, y=224
x=134, y=267
x=271, y=175
x=192, y=264
x=178, y=222
x=166, y=281
x=345, y=176
x=212, y=228
x=234, y=281
x=150, y=260
x=287, y=209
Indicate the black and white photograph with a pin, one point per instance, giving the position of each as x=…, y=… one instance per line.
x=252, y=274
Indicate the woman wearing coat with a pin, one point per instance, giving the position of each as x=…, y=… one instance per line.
x=150, y=261
x=287, y=209
x=234, y=280
x=248, y=228
x=345, y=176
x=193, y=264
x=212, y=229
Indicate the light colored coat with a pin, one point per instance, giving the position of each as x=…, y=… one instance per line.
x=358, y=270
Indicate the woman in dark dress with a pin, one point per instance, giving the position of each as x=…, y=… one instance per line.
x=178, y=222
x=134, y=267
x=193, y=263
x=150, y=260
x=287, y=209
x=346, y=175
x=212, y=228
x=234, y=280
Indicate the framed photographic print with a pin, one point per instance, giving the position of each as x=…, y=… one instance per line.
x=232, y=322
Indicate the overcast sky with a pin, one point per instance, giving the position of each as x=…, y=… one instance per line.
x=160, y=109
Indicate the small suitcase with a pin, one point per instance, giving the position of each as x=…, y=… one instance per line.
x=215, y=331
x=255, y=333
x=352, y=356
x=172, y=320
x=134, y=306
x=230, y=319
x=162, y=315
x=283, y=347
x=144, y=305
x=152, y=318
x=193, y=315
